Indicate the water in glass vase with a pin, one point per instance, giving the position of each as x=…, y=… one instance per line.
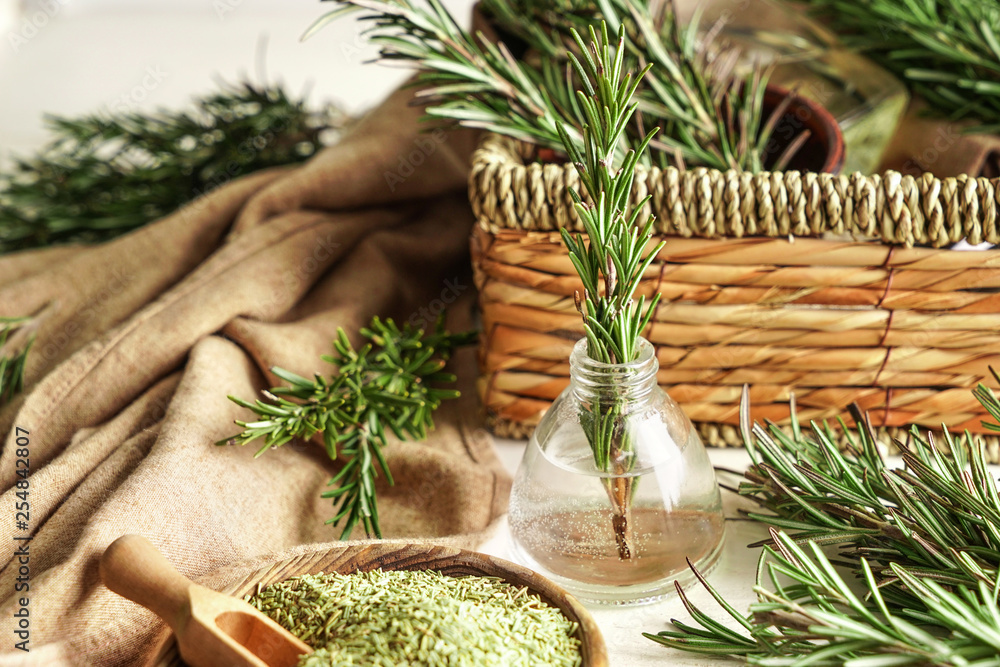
x=563, y=514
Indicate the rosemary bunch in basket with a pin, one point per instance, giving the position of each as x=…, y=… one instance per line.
x=612, y=260
x=948, y=51
x=390, y=385
x=708, y=114
x=105, y=174
x=470, y=81
x=922, y=543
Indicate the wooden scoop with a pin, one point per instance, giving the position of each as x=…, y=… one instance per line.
x=212, y=629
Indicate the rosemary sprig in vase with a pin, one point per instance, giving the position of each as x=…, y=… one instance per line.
x=613, y=422
x=613, y=259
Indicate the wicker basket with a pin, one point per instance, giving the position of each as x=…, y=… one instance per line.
x=834, y=288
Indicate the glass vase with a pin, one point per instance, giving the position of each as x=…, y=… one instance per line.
x=615, y=492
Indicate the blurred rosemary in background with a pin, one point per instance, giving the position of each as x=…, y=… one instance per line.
x=102, y=175
x=948, y=51
x=524, y=85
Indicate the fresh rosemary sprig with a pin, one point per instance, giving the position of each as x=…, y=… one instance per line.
x=948, y=51
x=13, y=355
x=923, y=540
x=709, y=115
x=614, y=257
x=389, y=385
x=103, y=175
x=807, y=614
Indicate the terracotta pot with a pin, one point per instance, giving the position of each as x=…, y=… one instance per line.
x=823, y=151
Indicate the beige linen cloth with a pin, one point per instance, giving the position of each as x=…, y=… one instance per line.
x=140, y=340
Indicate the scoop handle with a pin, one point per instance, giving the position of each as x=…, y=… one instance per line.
x=133, y=568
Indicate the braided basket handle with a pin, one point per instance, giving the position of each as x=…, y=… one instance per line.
x=891, y=208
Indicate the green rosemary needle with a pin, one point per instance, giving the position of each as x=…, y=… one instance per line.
x=13, y=356
x=390, y=385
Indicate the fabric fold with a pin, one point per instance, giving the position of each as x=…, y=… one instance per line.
x=140, y=340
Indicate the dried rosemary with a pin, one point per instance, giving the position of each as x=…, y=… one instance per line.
x=419, y=618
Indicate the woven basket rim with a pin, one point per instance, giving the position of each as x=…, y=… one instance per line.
x=508, y=192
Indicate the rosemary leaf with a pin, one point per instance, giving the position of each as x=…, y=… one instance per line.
x=388, y=383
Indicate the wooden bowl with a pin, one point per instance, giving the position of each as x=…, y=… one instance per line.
x=449, y=560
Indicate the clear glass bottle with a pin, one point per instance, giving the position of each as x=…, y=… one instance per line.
x=615, y=490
